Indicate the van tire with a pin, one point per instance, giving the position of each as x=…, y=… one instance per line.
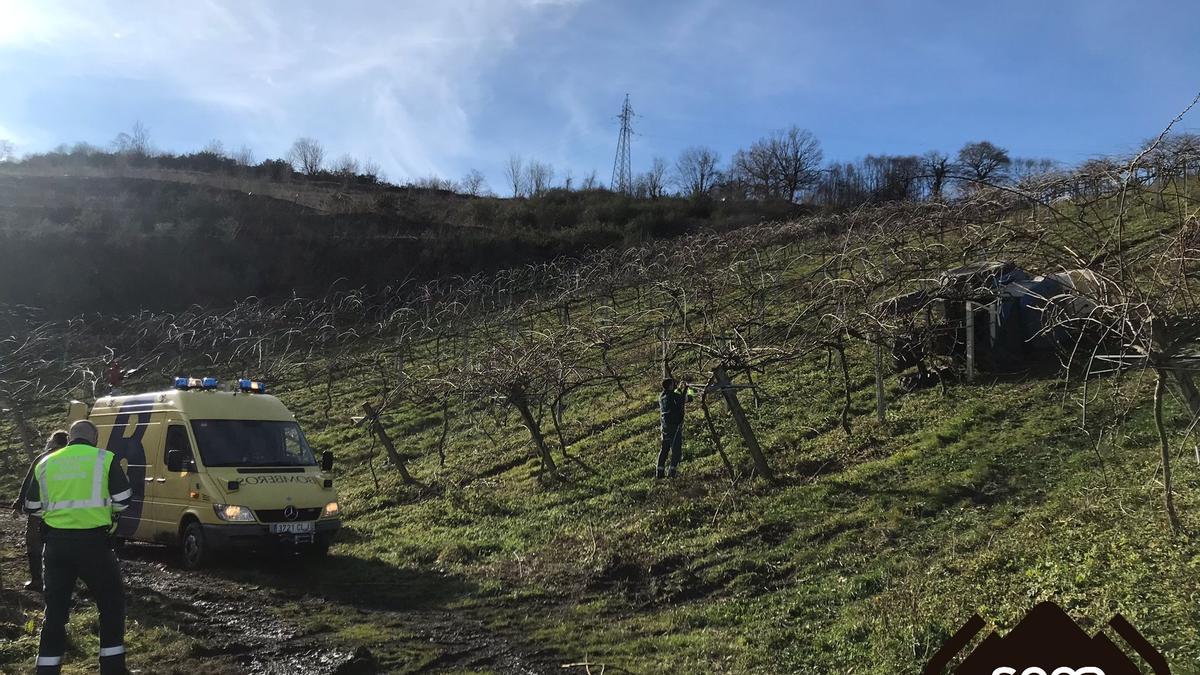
x=194, y=550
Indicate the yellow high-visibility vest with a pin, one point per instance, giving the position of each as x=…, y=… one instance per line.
x=73, y=483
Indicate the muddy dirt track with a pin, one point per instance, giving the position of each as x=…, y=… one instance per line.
x=280, y=614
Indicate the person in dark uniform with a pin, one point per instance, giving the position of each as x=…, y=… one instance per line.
x=33, y=523
x=78, y=489
x=671, y=406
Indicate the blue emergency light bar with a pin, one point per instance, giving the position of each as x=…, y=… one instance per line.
x=252, y=386
x=207, y=383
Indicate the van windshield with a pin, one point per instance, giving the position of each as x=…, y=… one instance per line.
x=251, y=443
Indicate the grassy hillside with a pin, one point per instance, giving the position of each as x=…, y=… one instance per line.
x=215, y=238
x=873, y=546
x=876, y=546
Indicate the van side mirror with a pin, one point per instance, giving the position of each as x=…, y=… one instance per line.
x=326, y=461
x=77, y=410
x=176, y=461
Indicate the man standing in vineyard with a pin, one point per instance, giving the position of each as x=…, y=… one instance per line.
x=671, y=405
x=78, y=490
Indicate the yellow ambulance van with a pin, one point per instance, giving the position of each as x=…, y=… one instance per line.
x=217, y=468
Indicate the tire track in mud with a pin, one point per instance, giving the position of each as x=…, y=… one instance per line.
x=235, y=629
x=248, y=620
x=244, y=626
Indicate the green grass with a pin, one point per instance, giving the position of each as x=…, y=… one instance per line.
x=874, y=547
x=871, y=550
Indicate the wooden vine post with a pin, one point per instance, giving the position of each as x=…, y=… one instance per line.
x=880, y=398
x=716, y=438
x=970, y=328
x=743, y=424
x=376, y=427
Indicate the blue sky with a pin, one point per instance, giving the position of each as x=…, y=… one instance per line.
x=444, y=87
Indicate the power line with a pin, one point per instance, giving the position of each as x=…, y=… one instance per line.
x=622, y=174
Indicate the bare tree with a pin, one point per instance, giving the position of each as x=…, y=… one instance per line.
x=372, y=171
x=520, y=372
x=696, y=170
x=538, y=177
x=140, y=137
x=136, y=143
x=875, y=179
x=983, y=162
x=214, y=147
x=781, y=165
x=345, y=166
x=84, y=149
x=843, y=185
x=1025, y=169
x=797, y=156
x=244, y=156
x=656, y=178
x=514, y=171
x=474, y=183
x=590, y=181
x=891, y=178
x=435, y=182
x=754, y=168
x=306, y=155
x=937, y=167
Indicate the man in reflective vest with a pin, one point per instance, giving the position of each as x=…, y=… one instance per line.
x=77, y=490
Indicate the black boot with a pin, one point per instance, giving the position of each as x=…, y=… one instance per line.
x=660, y=472
x=34, y=585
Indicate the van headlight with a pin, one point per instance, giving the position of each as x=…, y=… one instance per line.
x=330, y=511
x=233, y=513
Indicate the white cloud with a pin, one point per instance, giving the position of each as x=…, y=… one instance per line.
x=392, y=80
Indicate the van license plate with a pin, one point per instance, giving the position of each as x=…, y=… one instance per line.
x=291, y=528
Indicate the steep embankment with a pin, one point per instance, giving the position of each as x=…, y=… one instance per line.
x=209, y=244
x=213, y=238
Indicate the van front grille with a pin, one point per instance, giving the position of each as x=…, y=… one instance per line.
x=276, y=515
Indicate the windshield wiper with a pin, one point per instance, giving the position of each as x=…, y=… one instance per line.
x=275, y=464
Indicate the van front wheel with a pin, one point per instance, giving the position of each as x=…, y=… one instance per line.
x=195, y=553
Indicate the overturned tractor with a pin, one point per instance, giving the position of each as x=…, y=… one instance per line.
x=987, y=317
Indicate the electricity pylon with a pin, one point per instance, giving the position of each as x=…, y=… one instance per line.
x=622, y=174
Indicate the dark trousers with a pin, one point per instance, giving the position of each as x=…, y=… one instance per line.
x=672, y=444
x=86, y=555
x=33, y=548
